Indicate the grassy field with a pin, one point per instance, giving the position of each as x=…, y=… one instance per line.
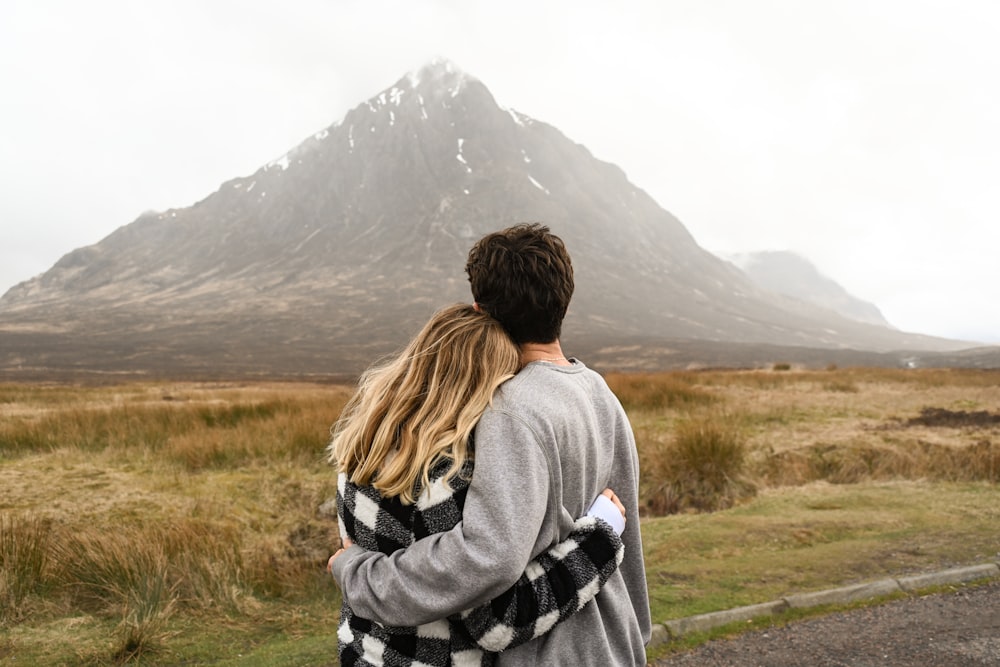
x=171, y=523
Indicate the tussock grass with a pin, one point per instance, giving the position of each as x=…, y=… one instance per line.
x=840, y=425
x=198, y=564
x=24, y=559
x=703, y=468
x=145, y=612
x=143, y=507
x=195, y=429
x=180, y=523
x=863, y=462
x=842, y=385
x=645, y=391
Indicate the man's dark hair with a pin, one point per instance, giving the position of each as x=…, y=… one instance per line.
x=523, y=277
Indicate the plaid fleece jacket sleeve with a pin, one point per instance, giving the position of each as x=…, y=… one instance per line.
x=553, y=586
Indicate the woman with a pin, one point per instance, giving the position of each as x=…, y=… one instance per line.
x=405, y=452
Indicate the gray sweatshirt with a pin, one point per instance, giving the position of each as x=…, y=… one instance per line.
x=553, y=439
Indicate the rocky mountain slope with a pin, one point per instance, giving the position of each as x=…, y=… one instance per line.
x=334, y=254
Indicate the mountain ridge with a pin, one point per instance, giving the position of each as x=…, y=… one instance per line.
x=333, y=253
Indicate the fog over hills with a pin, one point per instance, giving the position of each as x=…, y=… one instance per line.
x=335, y=253
x=791, y=274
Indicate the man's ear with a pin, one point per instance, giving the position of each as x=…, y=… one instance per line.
x=475, y=307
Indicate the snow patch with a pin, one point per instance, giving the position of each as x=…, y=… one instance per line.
x=306, y=240
x=461, y=158
x=251, y=186
x=515, y=116
x=527, y=160
x=538, y=185
x=282, y=162
x=350, y=136
x=322, y=134
x=395, y=95
x=392, y=118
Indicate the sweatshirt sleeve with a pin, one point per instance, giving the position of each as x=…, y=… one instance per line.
x=633, y=566
x=478, y=559
x=551, y=589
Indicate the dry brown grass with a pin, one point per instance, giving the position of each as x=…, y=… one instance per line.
x=657, y=391
x=133, y=504
x=128, y=512
x=24, y=562
x=841, y=426
x=703, y=467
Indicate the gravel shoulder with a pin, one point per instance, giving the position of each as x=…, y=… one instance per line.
x=955, y=629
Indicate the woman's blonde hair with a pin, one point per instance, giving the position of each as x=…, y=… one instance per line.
x=420, y=407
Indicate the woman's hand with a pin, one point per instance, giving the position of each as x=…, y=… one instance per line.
x=611, y=495
x=347, y=543
x=608, y=507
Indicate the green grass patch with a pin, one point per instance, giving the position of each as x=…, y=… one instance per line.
x=796, y=540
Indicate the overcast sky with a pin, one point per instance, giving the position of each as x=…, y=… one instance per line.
x=862, y=134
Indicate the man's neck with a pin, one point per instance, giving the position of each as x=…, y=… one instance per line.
x=548, y=352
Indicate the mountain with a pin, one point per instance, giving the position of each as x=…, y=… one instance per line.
x=334, y=254
x=795, y=276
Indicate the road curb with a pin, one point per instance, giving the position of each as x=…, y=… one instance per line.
x=844, y=594
x=954, y=576
x=701, y=622
x=672, y=629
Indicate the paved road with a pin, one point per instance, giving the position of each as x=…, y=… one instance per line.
x=960, y=629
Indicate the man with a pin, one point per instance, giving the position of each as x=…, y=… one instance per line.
x=554, y=437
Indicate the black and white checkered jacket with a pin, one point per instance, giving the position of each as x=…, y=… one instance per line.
x=553, y=586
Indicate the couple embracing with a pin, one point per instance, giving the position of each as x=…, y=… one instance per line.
x=487, y=488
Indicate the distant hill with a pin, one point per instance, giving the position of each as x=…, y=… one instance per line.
x=333, y=255
x=793, y=275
